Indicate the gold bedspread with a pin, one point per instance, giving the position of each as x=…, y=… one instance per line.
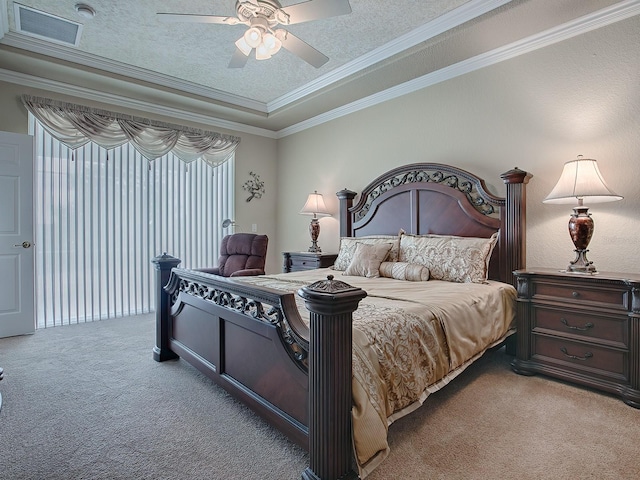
x=409, y=340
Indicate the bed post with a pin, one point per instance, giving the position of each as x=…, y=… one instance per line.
x=163, y=263
x=331, y=303
x=513, y=235
x=346, y=202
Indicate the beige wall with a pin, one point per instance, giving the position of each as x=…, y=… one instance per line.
x=255, y=153
x=536, y=111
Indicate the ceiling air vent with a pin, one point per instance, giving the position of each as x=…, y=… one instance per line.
x=46, y=26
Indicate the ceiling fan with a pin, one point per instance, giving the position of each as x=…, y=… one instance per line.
x=263, y=18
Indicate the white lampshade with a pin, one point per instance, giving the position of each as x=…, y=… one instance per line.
x=315, y=206
x=253, y=37
x=581, y=181
x=262, y=52
x=243, y=46
x=272, y=43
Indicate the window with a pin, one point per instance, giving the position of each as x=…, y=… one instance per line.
x=102, y=215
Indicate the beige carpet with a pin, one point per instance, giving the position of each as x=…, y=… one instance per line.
x=88, y=402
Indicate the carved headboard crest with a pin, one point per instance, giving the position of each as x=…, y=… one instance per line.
x=470, y=185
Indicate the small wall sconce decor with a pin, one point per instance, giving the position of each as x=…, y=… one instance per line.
x=254, y=186
x=315, y=206
x=581, y=181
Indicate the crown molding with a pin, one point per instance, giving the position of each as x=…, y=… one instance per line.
x=584, y=24
x=73, y=55
x=126, y=102
x=452, y=19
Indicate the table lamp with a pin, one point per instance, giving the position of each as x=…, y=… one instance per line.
x=581, y=181
x=315, y=206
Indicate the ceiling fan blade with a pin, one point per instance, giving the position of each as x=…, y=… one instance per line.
x=316, y=9
x=238, y=60
x=192, y=18
x=303, y=50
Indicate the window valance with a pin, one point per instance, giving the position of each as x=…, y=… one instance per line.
x=76, y=125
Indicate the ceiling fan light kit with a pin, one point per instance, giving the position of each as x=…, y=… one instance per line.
x=261, y=37
x=262, y=17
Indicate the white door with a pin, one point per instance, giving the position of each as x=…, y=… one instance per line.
x=17, y=315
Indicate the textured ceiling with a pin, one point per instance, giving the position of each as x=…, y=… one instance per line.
x=130, y=32
x=379, y=45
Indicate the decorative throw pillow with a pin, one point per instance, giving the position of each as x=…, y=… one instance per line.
x=412, y=272
x=348, y=248
x=450, y=258
x=367, y=259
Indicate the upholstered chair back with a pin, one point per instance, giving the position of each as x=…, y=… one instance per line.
x=241, y=254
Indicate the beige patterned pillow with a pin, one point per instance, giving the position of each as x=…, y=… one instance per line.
x=367, y=259
x=412, y=272
x=348, y=248
x=450, y=258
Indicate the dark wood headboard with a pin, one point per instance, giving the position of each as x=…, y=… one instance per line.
x=431, y=198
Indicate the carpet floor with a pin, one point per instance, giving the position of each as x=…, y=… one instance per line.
x=87, y=401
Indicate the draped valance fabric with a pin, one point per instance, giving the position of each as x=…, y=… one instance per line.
x=76, y=125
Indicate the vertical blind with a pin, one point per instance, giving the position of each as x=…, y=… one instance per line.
x=102, y=215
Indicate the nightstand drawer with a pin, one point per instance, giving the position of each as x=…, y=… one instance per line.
x=576, y=293
x=580, y=356
x=303, y=263
x=608, y=330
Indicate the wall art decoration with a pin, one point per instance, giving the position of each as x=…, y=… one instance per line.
x=254, y=186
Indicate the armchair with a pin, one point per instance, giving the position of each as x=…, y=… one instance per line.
x=241, y=254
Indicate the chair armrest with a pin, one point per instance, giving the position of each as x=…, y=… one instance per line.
x=248, y=272
x=212, y=270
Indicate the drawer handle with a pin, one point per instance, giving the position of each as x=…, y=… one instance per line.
x=587, y=355
x=587, y=326
x=575, y=294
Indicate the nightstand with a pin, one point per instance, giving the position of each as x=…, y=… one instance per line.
x=299, y=261
x=582, y=328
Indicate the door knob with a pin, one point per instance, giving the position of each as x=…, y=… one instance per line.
x=24, y=244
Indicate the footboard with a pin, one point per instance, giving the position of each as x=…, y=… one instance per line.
x=252, y=341
x=241, y=338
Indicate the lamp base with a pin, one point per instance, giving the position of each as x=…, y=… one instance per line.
x=581, y=264
x=581, y=231
x=314, y=231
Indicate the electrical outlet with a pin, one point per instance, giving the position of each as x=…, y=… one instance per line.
x=254, y=227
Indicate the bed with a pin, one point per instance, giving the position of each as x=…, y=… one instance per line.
x=324, y=355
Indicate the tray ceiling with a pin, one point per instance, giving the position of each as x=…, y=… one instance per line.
x=378, y=46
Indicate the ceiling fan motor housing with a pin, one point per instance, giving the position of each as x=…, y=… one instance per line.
x=269, y=10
